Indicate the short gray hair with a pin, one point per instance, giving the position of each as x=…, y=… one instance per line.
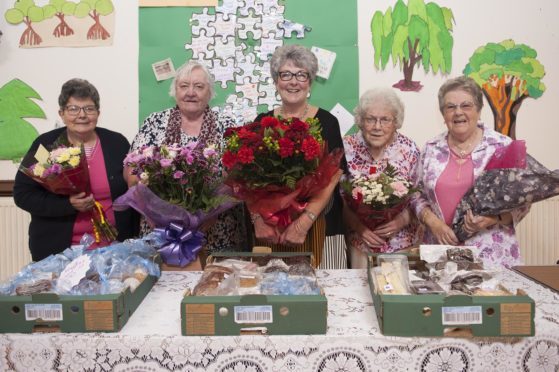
x=300, y=56
x=465, y=84
x=185, y=71
x=78, y=88
x=385, y=96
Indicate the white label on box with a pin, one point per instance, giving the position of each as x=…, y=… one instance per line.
x=47, y=312
x=456, y=315
x=253, y=314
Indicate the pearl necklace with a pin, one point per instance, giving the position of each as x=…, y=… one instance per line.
x=282, y=113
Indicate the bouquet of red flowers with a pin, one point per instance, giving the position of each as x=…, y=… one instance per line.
x=63, y=171
x=180, y=188
x=377, y=198
x=276, y=164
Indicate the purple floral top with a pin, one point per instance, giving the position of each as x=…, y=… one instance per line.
x=403, y=154
x=498, y=244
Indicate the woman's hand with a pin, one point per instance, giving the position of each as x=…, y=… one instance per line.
x=81, y=202
x=265, y=232
x=296, y=232
x=370, y=238
x=474, y=224
x=443, y=232
x=391, y=228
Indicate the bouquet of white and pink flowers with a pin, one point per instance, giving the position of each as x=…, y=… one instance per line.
x=180, y=188
x=64, y=171
x=377, y=198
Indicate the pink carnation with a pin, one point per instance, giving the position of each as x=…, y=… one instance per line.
x=399, y=188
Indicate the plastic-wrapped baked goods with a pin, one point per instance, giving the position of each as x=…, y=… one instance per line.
x=211, y=279
x=301, y=268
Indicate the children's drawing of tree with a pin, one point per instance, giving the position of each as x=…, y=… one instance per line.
x=413, y=34
x=508, y=73
x=17, y=134
x=61, y=9
x=95, y=9
x=27, y=12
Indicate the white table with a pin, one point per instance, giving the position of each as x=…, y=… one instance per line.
x=152, y=341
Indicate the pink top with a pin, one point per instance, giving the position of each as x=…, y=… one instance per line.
x=456, y=179
x=100, y=190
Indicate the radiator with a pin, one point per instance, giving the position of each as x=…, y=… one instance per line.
x=538, y=233
x=14, y=249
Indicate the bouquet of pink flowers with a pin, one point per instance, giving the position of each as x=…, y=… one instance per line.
x=180, y=188
x=377, y=198
x=63, y=171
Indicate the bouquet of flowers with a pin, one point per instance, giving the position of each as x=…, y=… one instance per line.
x=63, y=171
x=377, y=198
x=179, y=189
x=512, y=179
x=276, y=164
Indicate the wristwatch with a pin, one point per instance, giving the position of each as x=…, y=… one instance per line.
x=255, y=217
x=310, y=214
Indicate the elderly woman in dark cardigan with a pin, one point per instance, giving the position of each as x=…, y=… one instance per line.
x=58, y=221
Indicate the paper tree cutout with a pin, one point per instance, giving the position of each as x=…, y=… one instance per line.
x=27, y=12
x=413, y=34
x=16, y=134
x=508, y=73
x=62, y=8
x=95, y=9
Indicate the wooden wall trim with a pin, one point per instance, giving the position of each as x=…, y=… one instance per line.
x=6, y=188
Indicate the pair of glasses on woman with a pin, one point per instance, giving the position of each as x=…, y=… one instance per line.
x=450, y=108
x=301, y=76
x=75, y=110
x=383, y=121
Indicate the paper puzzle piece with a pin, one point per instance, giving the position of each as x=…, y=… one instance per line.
x=249, y=90
x=246, y=5
x=267, y=46
x=252, y=24
x=326, y=59
x=199, y=46
x=291, y=27
x=269, y=5
x=225, y=27
x=271, y=22
x=200, y=21
x=270, y=98
x=240, y=108
x=224, y=72
x=227, y=8
x=246, y=64
x=227, y=49
x=263, y=71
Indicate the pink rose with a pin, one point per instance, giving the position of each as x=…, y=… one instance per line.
x=399, y=188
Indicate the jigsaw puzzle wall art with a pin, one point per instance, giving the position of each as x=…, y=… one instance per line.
x=236, y=40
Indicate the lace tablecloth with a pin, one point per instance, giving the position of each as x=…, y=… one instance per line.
x=152, y=341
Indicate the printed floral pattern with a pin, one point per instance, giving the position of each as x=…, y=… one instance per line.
x=403, y=154
x=498, y=244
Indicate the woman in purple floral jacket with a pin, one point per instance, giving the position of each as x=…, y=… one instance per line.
x=448, y=167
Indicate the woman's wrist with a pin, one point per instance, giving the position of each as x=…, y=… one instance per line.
x=254, y=217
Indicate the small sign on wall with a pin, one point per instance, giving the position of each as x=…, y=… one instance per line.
x=153, y=3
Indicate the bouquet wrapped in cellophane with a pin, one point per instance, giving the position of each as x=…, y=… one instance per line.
x=512, y=179
x=180, y=188
x=377, y=198
x=63, y=170
x=277, y=164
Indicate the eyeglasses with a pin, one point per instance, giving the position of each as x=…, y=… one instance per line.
x=301, y=76
x=383, y=121
x=464, y=106
x=75, y=110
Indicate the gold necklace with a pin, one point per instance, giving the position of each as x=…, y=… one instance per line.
x=282, y=113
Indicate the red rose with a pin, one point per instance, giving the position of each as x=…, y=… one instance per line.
x=286, y=147
x=372, y=170
x=245, y=155
x=299, y=126
x=269, y=121
x=229, y=159
x=311, y=148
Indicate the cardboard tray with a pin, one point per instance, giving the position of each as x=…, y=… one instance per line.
x=49, y=312
x=254, y=314
x=440, y=315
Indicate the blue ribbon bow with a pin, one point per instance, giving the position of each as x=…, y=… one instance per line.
x=182, y=245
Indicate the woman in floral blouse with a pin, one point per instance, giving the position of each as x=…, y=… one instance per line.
x=448, y=167
x=379, y=115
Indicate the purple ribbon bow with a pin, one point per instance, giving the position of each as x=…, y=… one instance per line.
x=182, y=245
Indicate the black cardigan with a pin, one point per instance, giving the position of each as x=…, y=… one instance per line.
x=52, y=216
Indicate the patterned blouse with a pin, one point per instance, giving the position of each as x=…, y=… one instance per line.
x=403, y=154
x=229, y=231
x=498, y=244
